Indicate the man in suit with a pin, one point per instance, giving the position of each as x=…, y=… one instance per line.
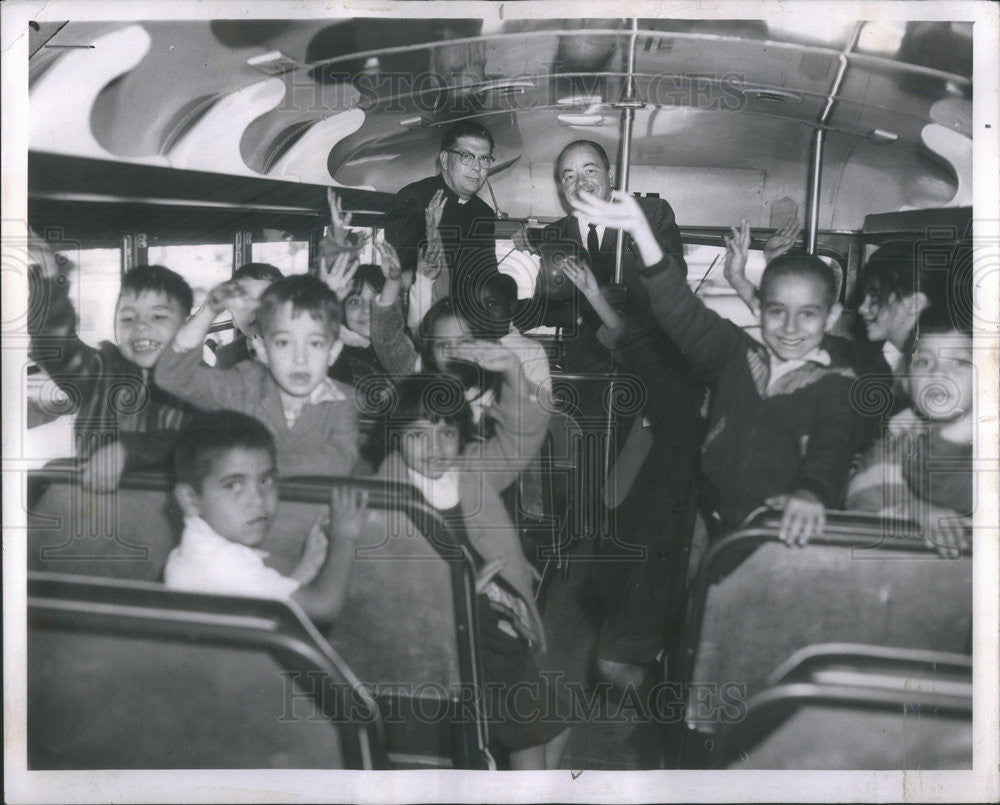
x=642, y=601
x=467, y=224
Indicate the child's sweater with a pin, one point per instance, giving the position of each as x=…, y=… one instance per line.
x=323, y=440
x=901, y=471
x=484, y=470
x=799, y=433
x=114, y=399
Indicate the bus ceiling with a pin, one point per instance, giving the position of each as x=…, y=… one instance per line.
x=883, y=110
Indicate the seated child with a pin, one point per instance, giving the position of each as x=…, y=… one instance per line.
x=124, y=421
x=432, y=447
x=313, y=418
x=781, y=426
x=358, y=359
x=226, y=485
x=253, y=279
x=922, y=469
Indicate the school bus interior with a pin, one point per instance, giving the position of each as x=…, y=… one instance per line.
x=206, y=144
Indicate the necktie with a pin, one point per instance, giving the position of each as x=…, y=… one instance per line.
x=593, y=246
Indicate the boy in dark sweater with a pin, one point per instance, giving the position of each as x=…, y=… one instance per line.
x=124, y=421
x=781, y=425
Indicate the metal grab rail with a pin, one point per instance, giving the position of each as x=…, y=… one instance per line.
x=149, y=610
x=385, y=495
x=870, y=536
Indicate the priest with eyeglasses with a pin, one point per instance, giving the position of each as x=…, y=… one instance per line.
x=448, y=203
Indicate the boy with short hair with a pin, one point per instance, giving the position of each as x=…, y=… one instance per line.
x=124, y=421
x=781, y=425
x=313, y=418
x=226, y=485
x=922, y=469
x=253, y=279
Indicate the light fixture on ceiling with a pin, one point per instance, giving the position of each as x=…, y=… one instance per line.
x=505, y=86
x=884, y=136
x=580, y=100
x=580, y=120
x=273, y=63
x=771, y=95
x=412, y=122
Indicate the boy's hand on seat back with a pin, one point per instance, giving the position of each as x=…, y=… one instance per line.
x=946, y=531
x=348, y=509
x=314, y=552
x=804, y=516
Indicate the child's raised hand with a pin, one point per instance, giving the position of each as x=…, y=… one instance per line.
x=945, y=530
x=737, y=250
x=389, y=263
x=430, y=261
x=225, y=295
x=782, y=240
x=581, y=276
x=489, y=355
x=434, y=211
x=103, y=469
x=804, y=516
x=339, y=274
x=348, y=509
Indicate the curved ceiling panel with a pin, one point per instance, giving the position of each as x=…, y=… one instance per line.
x=213, y=143
x=306, y=160
x=184, y=61
x=305, y=103
x=60, y=121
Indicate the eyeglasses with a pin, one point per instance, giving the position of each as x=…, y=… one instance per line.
x=467, y=159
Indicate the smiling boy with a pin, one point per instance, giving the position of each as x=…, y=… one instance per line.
x=123, y=420
x=781, y=427
x=313, y=418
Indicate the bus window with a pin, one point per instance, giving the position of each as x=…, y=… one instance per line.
x=520, y=265
x=203, y=265
x=282, y=251
x=95, y=299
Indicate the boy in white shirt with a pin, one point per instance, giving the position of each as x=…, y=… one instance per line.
x=226, y=485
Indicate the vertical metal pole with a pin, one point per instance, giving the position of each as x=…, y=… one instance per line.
x=815, y=177
x=628, y=104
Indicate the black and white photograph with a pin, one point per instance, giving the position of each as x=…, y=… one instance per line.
x=500, y=401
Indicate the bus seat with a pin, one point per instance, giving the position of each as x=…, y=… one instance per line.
x=130, y=675
x=400, y=587
x=858, y=708
x=125, y=535
x=407, y=625
x=855, y=584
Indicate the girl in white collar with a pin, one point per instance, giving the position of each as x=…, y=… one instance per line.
x=432, y=447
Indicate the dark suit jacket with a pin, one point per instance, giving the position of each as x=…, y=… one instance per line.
x=468, y=231
x=673, y=391
x=661, y=221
